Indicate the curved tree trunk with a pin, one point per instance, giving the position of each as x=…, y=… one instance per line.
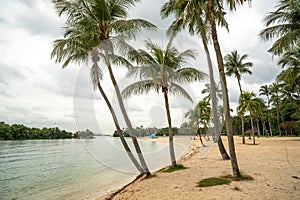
x=171, y=143
x=234, y=163
x=214, y=103
x=124, y=143
x=199, y=133
x=126, y=118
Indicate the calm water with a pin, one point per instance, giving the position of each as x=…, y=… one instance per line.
x=71, y=169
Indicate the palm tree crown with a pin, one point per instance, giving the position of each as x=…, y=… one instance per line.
x=162, y=69
x=235, y=65
x=284, y=24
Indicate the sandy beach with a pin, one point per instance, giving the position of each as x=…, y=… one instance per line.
x=274, y=163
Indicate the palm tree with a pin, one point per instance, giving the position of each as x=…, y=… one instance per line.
x=162, y=69
x=236, y=66
x=79, y=51
x=291, y=58
x=284, y=24
x=248, y=103
x=266, y=90
x=201, y=114
x=213, y=19
x=92, y=23
x=207, y=90
x=191, y=14
x=275, y=98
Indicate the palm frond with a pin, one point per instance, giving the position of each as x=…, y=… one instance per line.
x=178, y=90
x=140, y=87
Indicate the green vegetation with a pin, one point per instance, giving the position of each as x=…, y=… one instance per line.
x=208, y=182
x=243, y=177
x=84, y=134
x=142, y=132
x=174, y=168
x=21, y=132
x=226, y=179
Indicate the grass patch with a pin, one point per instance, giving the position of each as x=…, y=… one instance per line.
x=243, y=177
x=208, y=182
x=172, y=169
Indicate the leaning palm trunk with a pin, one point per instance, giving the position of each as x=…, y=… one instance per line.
x=124, y=143
x=213, y=95
x=125, y=116
x=171, y=143
x=235, y=168
x=199, y=133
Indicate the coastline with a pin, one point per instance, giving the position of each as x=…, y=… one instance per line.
x=273, y=164
x=112, y=191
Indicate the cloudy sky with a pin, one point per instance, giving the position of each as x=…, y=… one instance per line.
x=35, y=91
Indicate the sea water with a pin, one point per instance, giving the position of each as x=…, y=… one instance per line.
x=73, y=168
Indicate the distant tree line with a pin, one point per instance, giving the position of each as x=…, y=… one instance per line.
x=21, y=132
x=87, y=134
x=142, y=132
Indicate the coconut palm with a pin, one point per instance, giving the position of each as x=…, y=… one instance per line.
x=291, y=58
x=80, y=51
x=236, y=66
x=248, y=103
x=207, y=90
x=201, y=114
x=283, y=24
x=266, y=90
x=191, y=14
x=214, y=35
x=101, y=24
x=275, y=98
x=162, y=69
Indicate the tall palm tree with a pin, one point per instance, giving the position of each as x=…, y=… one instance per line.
x=69, y=50
x=236, y=66
x=201, y=114
x=275, y=98
x=213, y=19
x=266, y=90
x=249, y=103
x=283, y=24
x=162, y=69
x=191, y=14
x=101, y=24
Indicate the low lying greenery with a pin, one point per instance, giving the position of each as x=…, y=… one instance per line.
x=226, y=179
x=208, y=182
x=172, y=169
x=243, y=177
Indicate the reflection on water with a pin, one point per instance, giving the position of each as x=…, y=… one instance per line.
x=69, y=169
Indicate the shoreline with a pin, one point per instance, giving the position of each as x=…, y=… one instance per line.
x=273, y=164
x=113, y=191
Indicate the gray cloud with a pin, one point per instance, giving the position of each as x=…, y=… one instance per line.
x=9, y=73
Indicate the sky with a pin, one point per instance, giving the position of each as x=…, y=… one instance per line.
x=37, y=92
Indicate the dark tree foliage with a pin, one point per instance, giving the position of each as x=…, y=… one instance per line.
x=21, y=132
